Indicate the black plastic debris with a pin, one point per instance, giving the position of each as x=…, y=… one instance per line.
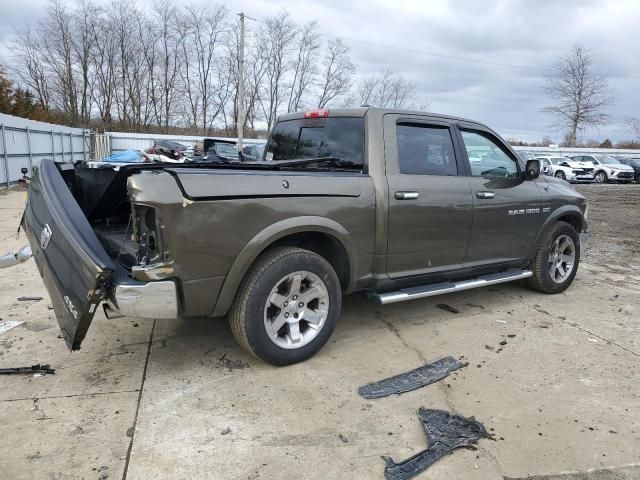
x=406, y=382
x=35, y=369
x=448, y=308
x=445, y=432
x=29, y=299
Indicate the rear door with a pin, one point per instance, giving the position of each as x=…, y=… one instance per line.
x=74, y=266
x=429, y=199
x=507, y=210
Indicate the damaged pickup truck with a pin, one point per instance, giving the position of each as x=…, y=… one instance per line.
x=404, y=205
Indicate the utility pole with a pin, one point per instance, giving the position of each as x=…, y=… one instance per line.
x=240, y=105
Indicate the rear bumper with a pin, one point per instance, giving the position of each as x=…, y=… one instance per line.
x=130, y=298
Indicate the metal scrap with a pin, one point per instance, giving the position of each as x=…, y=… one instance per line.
x=9, y=324
x=35, y=369
x=11, y=258
x=408, y=381
x=445, y=432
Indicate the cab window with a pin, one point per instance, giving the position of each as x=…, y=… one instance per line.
x=425, y=150
x=488, y=158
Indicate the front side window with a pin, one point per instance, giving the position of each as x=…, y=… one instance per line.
x=486, y=157
x=425, y=150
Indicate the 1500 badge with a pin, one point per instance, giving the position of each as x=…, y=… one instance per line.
x=528, y=211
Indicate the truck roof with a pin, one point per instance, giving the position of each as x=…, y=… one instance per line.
x=362, y=111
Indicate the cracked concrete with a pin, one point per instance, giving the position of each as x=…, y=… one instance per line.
x=554, y=378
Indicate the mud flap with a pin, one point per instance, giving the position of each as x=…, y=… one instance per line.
x=74, y=266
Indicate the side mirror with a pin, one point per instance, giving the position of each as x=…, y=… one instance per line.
x=533, y=170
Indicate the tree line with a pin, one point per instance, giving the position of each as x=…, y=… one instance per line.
x=171, y=67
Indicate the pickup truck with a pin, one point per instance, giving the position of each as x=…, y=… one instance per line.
x=401, y=205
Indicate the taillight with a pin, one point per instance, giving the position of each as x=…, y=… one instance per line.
x=319, y=113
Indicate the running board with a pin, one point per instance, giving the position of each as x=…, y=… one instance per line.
x=424, y=291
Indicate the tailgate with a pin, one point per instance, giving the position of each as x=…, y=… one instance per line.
x=74, y=266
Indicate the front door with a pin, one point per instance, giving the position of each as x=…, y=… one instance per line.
x=430, y=208
x=507, y=210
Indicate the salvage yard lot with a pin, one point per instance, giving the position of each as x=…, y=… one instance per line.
x=180, y=399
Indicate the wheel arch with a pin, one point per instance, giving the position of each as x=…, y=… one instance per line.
x=570, y=214
x=320, y=235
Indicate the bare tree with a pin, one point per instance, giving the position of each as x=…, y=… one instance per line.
x=386, y=90
x=204, y=26
x=29, y=66
x=337, y=72
x=579, y=96
x=305, y=70
x=277, y=34
x=633, y=125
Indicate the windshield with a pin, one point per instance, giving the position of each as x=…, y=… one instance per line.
x=336, y=137
x=607, y=159
x=226, y=149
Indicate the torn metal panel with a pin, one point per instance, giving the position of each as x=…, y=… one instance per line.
x=406, y=382
x=445, y=432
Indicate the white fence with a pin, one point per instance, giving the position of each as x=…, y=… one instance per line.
x=23, y=143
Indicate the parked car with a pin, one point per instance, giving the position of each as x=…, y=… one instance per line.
x=360, y=199
x=567, y=168
x=253, y=152
x=216, y=150
x=526, y=156
x=633, y=163
x=607, y=168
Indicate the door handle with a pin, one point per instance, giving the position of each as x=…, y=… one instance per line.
x=406, y=195
x=485, y=194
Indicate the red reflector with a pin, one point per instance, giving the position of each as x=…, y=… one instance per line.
x=320, y=113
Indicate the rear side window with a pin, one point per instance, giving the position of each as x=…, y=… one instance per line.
x=425, y=150
x=338, y=137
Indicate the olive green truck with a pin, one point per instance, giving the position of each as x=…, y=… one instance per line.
x=402, y=205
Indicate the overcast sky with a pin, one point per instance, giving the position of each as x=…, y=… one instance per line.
x=451, y=50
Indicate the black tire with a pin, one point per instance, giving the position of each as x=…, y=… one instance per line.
x=247, y=314
x=541, y=280
x=560, y=174
x=601, y=177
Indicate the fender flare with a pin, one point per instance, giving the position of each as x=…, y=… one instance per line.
x=267, y=237
x=553, y=218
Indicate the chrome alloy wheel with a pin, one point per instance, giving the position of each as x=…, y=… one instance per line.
x=562, y=258
x=296, y=309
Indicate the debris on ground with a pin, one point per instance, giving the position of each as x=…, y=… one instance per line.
x=593, y=340
x=502, y=321
x=342, y=438
x=29, y=299
x=11, y=258
x=38, y=370
x=226, y=431
x=9, y=324
x=408, y=381
x=448, y=308
x=445, y=432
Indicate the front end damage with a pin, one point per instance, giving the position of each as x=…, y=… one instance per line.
x=93, y=246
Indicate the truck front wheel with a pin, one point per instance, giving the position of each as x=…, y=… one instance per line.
x=556, y=262
x=287, y=306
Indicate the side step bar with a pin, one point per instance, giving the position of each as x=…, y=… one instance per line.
x=424, y=291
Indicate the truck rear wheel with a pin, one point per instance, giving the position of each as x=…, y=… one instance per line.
x=556, y=262
x=287, y=306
